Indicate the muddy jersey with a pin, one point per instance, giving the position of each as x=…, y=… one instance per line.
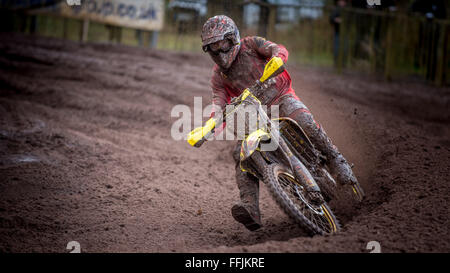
x=248, y=67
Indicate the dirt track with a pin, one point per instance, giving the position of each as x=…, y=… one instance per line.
x=86, y=155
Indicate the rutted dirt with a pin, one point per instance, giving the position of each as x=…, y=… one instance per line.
x=86, y=155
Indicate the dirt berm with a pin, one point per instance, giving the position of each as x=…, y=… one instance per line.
x=86, y=155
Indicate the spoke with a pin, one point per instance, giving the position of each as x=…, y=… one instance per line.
x=289, y=187
x=324, y=227
x=325, y=223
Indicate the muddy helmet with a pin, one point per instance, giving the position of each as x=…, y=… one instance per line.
x=218, y=28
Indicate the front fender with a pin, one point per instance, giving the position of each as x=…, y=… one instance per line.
x=251, y=143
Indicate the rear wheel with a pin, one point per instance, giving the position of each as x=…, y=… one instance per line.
x=291, y=197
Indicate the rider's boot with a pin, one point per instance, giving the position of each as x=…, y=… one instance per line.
x=246, y=211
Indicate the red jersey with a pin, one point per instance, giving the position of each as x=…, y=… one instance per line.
x=248, y=67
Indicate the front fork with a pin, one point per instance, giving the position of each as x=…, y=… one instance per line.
x=300, y=171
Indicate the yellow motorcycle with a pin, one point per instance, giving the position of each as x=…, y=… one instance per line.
x=279, y=153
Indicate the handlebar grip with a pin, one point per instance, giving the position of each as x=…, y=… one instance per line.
x=199, y=143
x=200, y=134
x=273, y=68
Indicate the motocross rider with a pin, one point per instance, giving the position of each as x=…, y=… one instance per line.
x=239, y=63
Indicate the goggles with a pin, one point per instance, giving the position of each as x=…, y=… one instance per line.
x=222, y=46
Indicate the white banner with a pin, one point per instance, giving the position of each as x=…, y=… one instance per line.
x=138, y=14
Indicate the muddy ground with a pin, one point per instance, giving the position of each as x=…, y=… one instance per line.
x=86, y=155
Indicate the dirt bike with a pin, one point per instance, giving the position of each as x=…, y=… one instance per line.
x=293, y=170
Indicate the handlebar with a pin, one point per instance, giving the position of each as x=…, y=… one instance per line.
x=200, y=134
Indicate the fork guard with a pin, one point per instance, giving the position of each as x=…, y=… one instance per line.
x=251, y=143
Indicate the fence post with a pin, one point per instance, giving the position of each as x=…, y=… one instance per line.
x=342, y=40
x=111, y=33
x=43, y=25
x=65, y=28
x=115, y=34
x=154, y=39
x=33, y=24
x=372, y=45
x=441, y=60
x=388, y=60
x=272, y=21
x=84, y=30
x=263, y=19
x=139, y=36
x=119, y=34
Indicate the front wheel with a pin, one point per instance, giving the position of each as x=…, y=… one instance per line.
x=291, y=197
